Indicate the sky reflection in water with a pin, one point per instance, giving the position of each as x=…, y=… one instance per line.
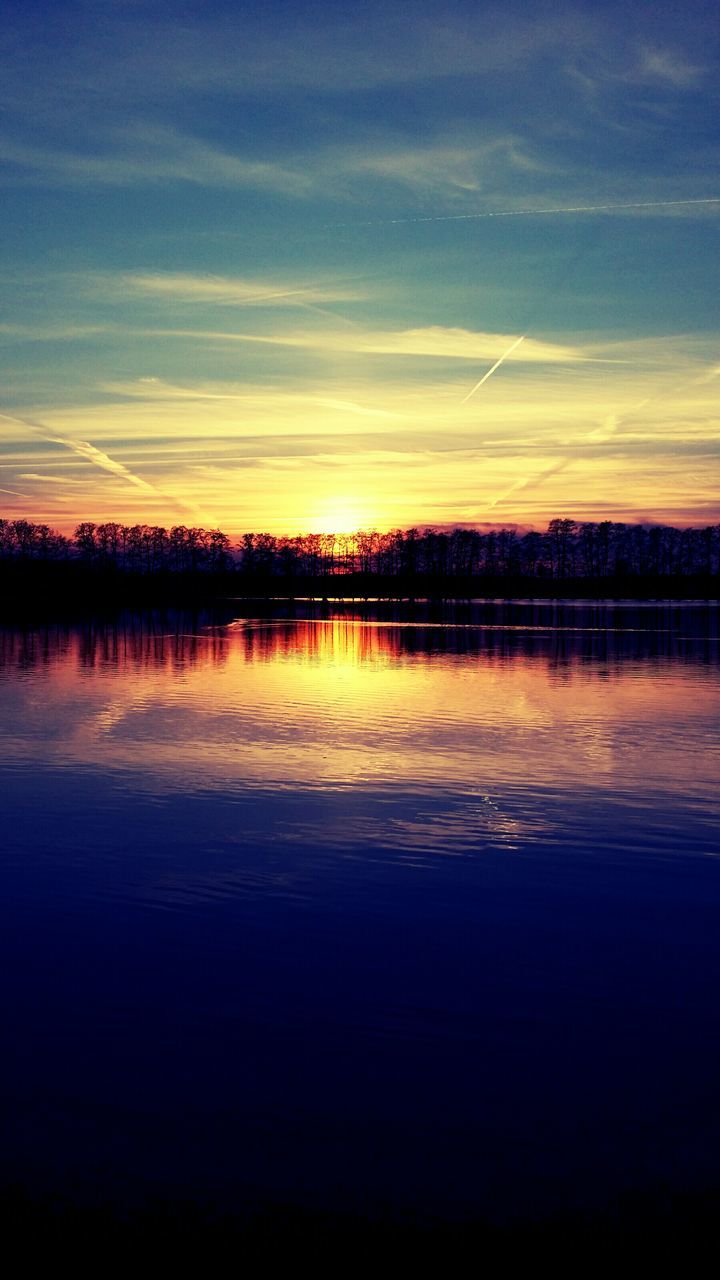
x=359, y=910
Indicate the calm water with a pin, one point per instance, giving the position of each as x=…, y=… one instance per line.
x=379, y=912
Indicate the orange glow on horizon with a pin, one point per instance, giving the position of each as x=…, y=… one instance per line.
x=618, y=435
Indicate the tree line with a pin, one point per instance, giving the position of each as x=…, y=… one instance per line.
x=567, y=549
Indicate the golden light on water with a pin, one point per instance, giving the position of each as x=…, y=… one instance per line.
x=419, y=704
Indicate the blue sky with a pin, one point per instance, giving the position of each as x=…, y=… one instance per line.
x=255, y=259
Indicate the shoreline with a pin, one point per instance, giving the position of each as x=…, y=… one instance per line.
x=71, y=592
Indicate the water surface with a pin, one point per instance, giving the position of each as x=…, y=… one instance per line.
x=381, y=910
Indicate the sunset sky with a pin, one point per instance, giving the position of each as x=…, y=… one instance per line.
x=257, y=257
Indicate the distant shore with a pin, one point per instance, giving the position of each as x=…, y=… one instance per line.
x=46, y=591
x=110, y=566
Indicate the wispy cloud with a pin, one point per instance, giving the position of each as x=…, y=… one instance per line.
x=609, y=429
x=13, y=493
x=556, y=404
x=149, y=155
x=44, y=478
x=110, y=92
x=258, y=454
x=97, y=457
x=124, y=57
x=82, y=448
x=225, y=290
x=434, y=341
x=53, y=332
x=529, y=481
x=668, y=66
x=441, y=167
x=157, y=389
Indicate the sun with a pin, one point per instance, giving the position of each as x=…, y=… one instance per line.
x=341, y=514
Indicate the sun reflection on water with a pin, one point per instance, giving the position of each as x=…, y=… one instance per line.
x=352, y=702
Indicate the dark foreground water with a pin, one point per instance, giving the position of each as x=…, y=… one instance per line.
x=388, y=914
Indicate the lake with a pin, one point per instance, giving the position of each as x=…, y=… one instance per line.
x=387, y=909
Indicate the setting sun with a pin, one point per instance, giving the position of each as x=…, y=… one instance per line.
x=342, y=515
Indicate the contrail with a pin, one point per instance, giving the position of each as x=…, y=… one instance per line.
x=609, y=428
x=83, y=449
x=528, y=481
x=14, y=493
x=490, y=372
x=532, y=213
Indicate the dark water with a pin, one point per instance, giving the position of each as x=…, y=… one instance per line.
x=384, y=913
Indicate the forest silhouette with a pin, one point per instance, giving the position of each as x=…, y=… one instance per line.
x=111, y=562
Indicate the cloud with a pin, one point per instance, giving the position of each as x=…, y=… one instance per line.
x=82, y=448
x=434, y=341
x=13, y=493
x=152, y=155
x=541, y=412
x=442, y=167
x=528, y=482
x=668, y=67
x=121, y=57
x=98, y=457
x=255, y=455
x=157, y=389
x=53, y=332
x=225, y=290
x=46, y=479
x=145, y=153
x=308, y=101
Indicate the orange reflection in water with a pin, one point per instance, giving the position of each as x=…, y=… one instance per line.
x=339, y=703
x=557, y=634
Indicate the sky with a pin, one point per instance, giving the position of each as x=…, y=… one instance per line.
x=310, y=267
